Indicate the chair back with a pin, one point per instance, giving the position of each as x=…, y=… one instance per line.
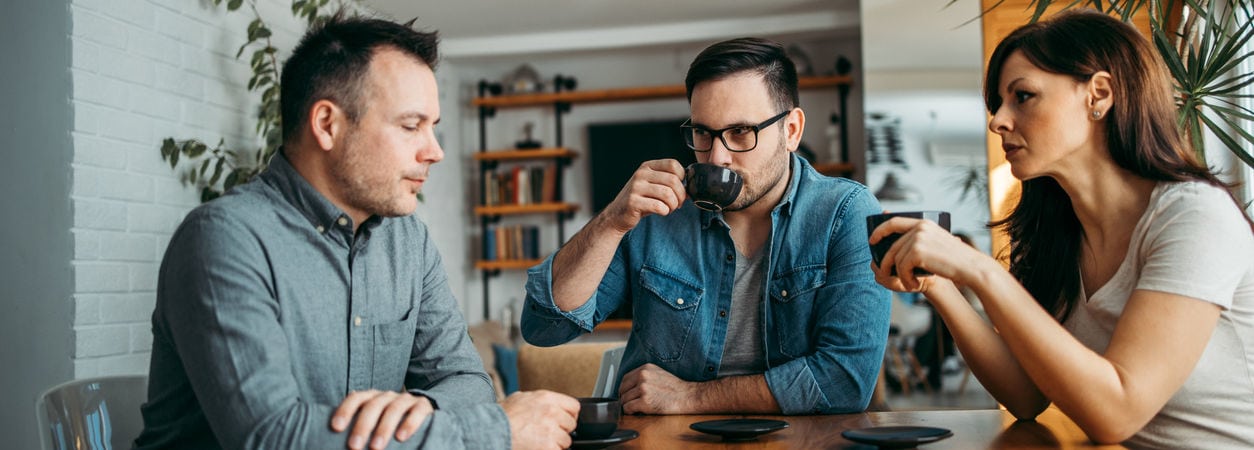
x=92, y=413
x=608, y=372
x=568, y=368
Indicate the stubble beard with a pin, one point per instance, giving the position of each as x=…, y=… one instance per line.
x=771, y=175
x=364, y=186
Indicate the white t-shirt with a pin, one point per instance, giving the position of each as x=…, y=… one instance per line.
x=1192, y=241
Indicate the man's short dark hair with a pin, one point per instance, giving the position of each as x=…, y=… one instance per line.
x=331, y=61
x=762, y=56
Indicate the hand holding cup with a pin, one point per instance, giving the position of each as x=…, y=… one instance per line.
x=920, y=243
x=656, y=187
x=880, y=248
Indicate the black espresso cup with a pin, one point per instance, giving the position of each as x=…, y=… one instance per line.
x=712, y=187
x=879, y=249
x=598, y=418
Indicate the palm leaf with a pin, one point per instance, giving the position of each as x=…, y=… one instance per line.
x=1222, y=133
x=1206, y=77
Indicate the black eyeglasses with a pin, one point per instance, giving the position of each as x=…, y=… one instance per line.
x=739, y=138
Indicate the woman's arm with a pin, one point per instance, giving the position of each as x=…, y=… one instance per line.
x=1156, y=344
x=1111, y=395
x=985, y=353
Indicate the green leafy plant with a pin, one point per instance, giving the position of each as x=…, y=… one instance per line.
x=1204, y=45
x=214, y=170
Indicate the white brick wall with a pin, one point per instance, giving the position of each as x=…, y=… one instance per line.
x=144, y=70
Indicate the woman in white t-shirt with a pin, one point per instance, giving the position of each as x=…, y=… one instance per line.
x=1129, y=302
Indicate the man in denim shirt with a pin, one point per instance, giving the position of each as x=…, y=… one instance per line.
x=309, y=308
x=767, y=307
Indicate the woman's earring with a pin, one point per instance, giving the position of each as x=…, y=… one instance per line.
x=1097, y=114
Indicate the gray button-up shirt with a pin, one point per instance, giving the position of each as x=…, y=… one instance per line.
x=270, y=310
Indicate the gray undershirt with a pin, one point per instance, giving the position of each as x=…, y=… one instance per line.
x=742, y=350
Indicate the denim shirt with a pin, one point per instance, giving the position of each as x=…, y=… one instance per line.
x=825, y=320
x=270, y=309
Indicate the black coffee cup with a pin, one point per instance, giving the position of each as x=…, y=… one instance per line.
x=598, y=418
x=712, y=187
x=879, y=249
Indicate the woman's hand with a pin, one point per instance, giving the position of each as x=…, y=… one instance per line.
x=924, y=245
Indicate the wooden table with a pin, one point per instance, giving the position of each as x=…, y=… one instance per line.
x=973, y=429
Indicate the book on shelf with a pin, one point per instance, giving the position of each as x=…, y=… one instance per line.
x=521, y=185
x=548, y=184
x=489, y=243
x=511, y=242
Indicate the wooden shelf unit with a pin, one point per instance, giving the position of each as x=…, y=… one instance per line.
x=507, y=264
x=521, y=155
x=507, y=210
x=626, y=94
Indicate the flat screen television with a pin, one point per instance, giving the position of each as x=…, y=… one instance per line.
x=616, y=150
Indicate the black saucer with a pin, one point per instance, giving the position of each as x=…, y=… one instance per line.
x=620, y=436
x=739, y=429
x=897, y=437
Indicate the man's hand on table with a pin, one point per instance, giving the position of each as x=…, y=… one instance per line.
x=650, y=389
x=382, y=412
x=540, y=419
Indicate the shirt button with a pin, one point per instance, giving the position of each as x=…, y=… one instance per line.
x=321, y=229
x=679, y=301
x=709, y=368
x=357, y=321
x=731, y=257
x=783, y=293
x=722, y=313
x=342, y=221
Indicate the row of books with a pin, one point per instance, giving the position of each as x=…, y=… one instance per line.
x=521, y=185
x=508, y=242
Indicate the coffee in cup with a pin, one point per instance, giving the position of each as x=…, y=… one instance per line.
x=879, y=249
x=598, y=417
x=712, y=187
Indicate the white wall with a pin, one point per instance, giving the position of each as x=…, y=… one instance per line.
x=649, y=66
x=35, y=278
x=959, y=123
x=144, y=70
x=99, y=84
x=924, y=65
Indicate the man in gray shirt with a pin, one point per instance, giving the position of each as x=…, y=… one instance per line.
x=309, y=308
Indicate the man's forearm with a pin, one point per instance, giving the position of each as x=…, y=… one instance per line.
x=580, y=264
x=736, y=394
x=482, y=426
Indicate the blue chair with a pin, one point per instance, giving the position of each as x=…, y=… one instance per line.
x=92, y=413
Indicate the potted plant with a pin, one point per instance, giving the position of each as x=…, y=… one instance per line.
x=217, y=169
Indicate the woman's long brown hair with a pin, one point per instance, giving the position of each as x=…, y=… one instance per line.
x=1141, y=131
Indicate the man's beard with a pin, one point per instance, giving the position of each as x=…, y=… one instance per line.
x=772, y=173
x=364, y=187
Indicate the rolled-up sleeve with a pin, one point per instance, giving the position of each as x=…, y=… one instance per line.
x=542, y=323
x=851, y=326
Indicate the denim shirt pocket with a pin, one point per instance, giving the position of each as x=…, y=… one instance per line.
x=394, y=341
x=792, y=296
x=669, y=306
